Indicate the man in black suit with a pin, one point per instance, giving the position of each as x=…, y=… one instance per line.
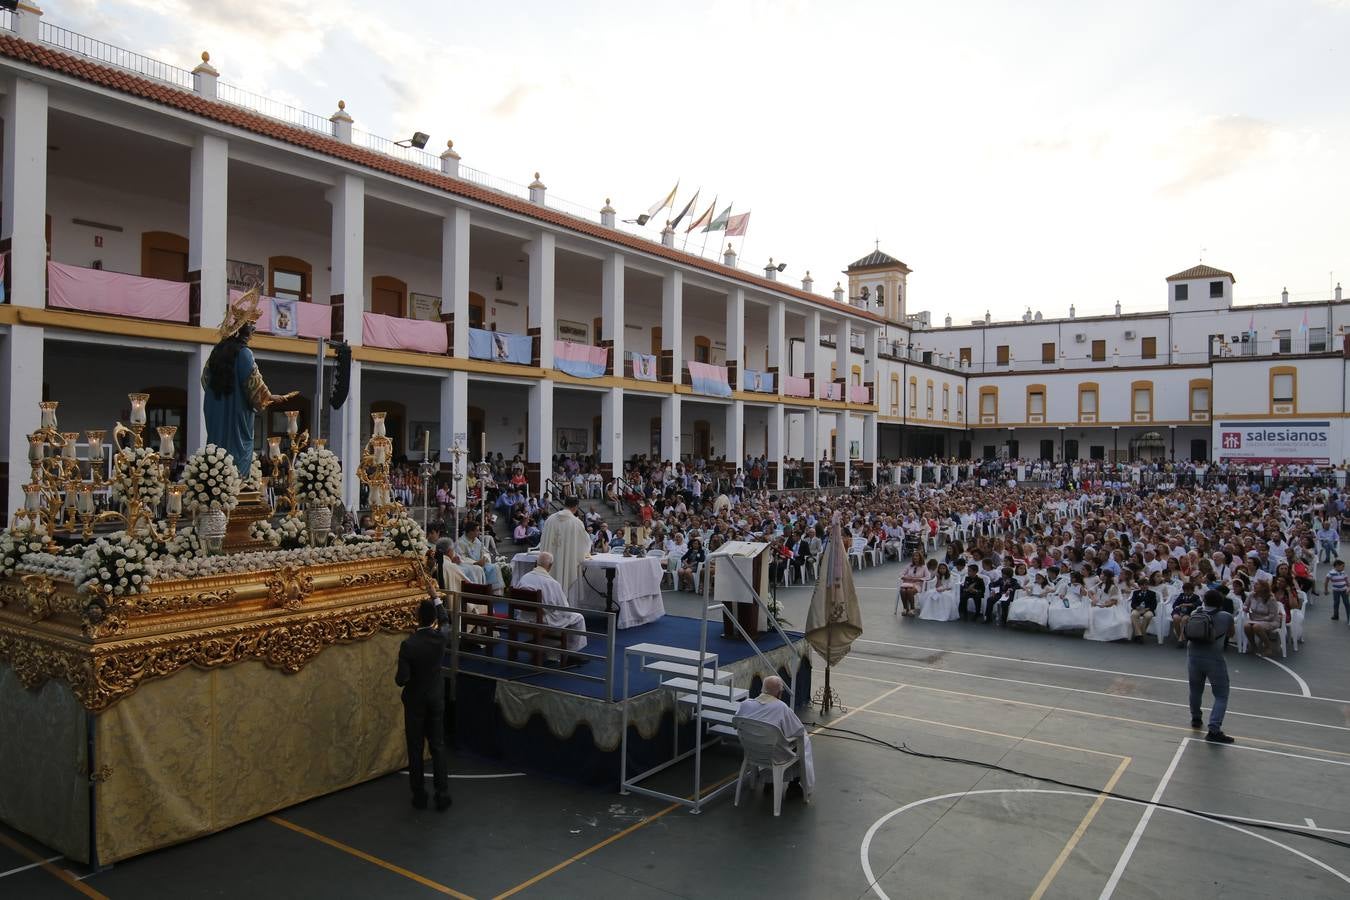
x=419, y=674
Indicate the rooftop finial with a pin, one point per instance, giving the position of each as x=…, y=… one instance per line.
x=206, y=57
x=342, y=104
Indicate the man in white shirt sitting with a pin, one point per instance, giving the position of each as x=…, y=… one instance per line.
x=540, y=579
x=768, y=708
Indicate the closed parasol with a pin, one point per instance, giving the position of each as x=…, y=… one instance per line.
x=834, y=621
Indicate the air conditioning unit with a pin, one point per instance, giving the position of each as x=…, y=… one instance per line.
x=1129, y=335
x=1079, y=338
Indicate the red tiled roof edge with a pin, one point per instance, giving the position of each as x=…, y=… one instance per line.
x=186, y=101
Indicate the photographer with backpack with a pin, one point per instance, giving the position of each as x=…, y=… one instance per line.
x=1205, y=632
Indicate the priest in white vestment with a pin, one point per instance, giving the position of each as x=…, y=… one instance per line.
x=567, y=541
x=540, y=579
x=767, y=707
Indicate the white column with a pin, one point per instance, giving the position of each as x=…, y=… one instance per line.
x=611, y=318
x=811, y=444
x=841, y=444
x=208, y=212
x=777, y=343
x=455, y=276
x=454, y=410
x=869, y=445
x=345, y=429
x=842, y=358
x=541, y=317
x=811, y=348
x=733, y=443
x=194, y=427
x=348, y=283
x=672, y=324
x=611, y=431
x=870, y=336
x=775, y=448
x=736, y=336
x=670, y=428
x=24, y=208
x=20, y=393
x=540, y=439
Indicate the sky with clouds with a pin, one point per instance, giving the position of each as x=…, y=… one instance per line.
x=1032, y=154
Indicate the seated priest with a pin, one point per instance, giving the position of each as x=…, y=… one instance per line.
x=473, y=552
x=541, y=579
x=769, y=708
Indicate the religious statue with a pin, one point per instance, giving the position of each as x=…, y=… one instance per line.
x=234, y=388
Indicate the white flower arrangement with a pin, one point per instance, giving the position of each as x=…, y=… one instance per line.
x=184, y=544
x=261, y=560
x=118, y=564
x=52, y=565
x=254, y=481
x=136, y=474
x=15, y=545
x=407, y=537
x=288, y=534
x=212, y=480
x=318, y=477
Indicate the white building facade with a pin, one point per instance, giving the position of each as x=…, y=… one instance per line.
x=137, y=195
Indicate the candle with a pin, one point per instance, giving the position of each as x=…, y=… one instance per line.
x=32, y=497
x=138, y=402
x=85, y=503
x=166, y=433
x=174, y=505
x=37, y=447
x=69, y=441
x=95, y=445
x=72, y=494
x=48, y=408
x=274, y=448
x=482, y=447
x=377, y=424
x=292, y=423
x=426, y=446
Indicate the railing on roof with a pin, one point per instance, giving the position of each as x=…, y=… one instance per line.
x=389, y=148
x=6, y=20
x=71, y=42
x=228, y=93
x=493, y=182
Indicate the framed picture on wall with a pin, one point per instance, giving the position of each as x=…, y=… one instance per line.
x=571, y=440
x=576, y=332
x=241, y=275
x=854, y=449
x=425, y=435
x=424, y=306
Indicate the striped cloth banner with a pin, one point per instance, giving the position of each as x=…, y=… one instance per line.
x=710, y=380
x=580, y=360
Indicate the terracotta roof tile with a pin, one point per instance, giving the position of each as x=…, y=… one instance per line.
x=125, y=82
x=1201, y=271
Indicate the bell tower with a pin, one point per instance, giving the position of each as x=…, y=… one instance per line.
x=878, y=283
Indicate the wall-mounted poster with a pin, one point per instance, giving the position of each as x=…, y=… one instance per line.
x=854, y=449
x=576, y=332
x=424, y=306
x=426, y=435
x=285, y=321
x=571, y=440
x=243, y=275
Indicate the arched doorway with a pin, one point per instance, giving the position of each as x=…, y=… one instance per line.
x=388, y=296
x=164, y=255
x=1147, y=447
x=477, y=428
x=395, y=422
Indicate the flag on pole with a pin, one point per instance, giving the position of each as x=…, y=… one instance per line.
x=737, y=225
x=720, y=223
x=704, y=219
x=1304, y=326
x=687, y=208
x=668, y=200
x=1251, y=324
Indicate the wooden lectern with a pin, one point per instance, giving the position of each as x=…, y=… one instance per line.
x=730, y=589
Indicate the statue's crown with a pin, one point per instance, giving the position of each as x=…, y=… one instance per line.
x=243, y=311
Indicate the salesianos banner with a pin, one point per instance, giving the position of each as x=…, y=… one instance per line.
x=1297, y=441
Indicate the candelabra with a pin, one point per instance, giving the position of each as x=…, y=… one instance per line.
x=297, y=441
x=59, y=499
x=456, y=476
x=373, y=472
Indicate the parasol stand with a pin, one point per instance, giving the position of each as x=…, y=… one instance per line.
x=827, y=698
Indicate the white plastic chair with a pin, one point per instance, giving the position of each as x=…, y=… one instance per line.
x=1161, y=626
x=857, y=555
x=876, y=554
x=1296, y=617
x=671, y=564
x=766, y=748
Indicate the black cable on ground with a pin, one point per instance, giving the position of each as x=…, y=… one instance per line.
x=864, y=738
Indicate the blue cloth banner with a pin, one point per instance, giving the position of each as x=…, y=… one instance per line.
x=753, y=380
x=501, y=346
x=710, y=380
x=644, y=366
x=580, y=360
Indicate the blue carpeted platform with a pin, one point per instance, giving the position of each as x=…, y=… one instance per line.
x=671, y=631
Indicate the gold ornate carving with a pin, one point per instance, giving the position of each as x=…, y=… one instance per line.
x=151, y=604
x=10, y=593
x=38, y=591
x=289, y=587
x=410, y=575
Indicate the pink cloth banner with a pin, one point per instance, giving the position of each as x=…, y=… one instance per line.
x=796, y=386
x=316, y=319
x=580, y=360
x=859, y=393
x=832, y=391
x=394, y=333
x=116, y=294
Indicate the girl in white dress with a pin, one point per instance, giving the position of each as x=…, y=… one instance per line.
x=1031, y=607
x=939, y=603
x=1069, y=612
x=1108, y=619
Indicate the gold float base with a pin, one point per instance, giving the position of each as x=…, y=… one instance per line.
x=251, y=509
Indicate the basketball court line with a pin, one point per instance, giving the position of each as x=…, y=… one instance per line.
x=1077, y=712
x=1303, y=685
x=32, y=865
x=1128, y=853
x=1039, y=684
x=46, y=866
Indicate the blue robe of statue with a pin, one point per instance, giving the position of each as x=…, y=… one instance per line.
x=229, y=417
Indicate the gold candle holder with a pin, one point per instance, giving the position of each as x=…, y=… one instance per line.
x=136, y=418
x=48, y=408
x=166, y=435
x=69, y=443
x=95, y=438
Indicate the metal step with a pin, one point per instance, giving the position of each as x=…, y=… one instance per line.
x=715, y=703
x=712, y=715
x=725, y=691
x=674, y=668
x=723, y=729
x=662, y=651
